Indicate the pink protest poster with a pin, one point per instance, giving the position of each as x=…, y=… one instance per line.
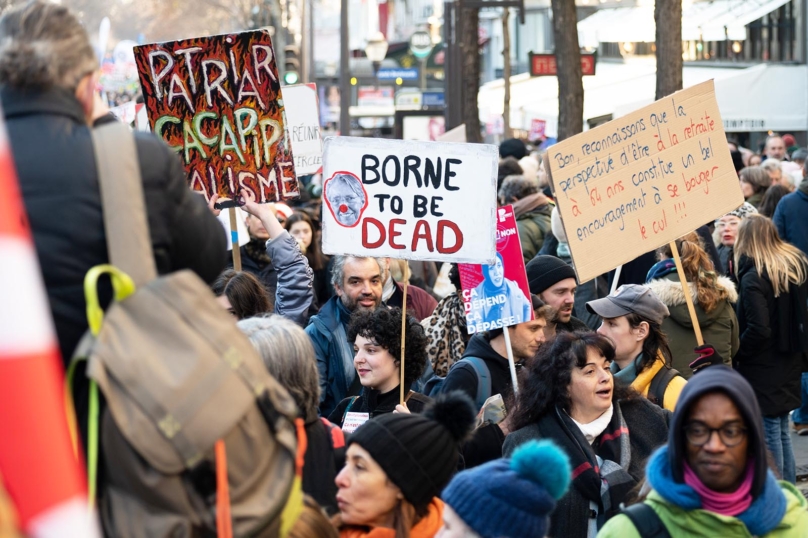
x=497, y=295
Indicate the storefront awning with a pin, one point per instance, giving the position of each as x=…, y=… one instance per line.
x=719, y=20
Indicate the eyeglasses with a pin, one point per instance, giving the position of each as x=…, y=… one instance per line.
x=699, y=434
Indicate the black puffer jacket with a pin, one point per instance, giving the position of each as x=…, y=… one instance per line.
x=766, y=357
x=53, y=153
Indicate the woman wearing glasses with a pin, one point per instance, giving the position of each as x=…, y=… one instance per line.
x=712, y=478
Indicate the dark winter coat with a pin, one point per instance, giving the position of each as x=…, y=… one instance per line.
x=53, y=154
x=375, y=403
x=648, y=430
x=463, y=377
x=791, y=218
x=719, y=327
x=766, y=324
x=323, y=452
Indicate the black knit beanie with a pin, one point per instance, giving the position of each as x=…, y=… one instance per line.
x=512, y=147
x=544, y=271
x=419, y=453
x=727, y=381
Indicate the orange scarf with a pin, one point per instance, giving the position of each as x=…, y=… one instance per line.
x=428, y=527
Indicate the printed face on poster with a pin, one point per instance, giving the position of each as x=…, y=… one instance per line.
x=498, y=295
x=411, y=200
x=636, y=183
x=216, y=101
x=303, y=125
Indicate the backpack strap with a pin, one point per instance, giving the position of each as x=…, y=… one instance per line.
x=124, y=207
x=646, y=521
x=348, y=408
x=663, y=378
x=483, y=379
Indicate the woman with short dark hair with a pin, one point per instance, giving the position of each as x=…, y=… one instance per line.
x=607, y=429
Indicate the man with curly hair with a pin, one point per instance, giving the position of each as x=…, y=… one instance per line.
x=376, y=337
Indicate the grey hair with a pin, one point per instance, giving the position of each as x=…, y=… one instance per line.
x=771, y=164
x=516, y=187
x=43, y=45
x=338, y=269
x=289, y=356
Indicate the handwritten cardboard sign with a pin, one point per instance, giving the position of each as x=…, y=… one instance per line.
x=408, y=199
x=216, y=101
x=302, y=113
x=498, y=295
x=638, y=182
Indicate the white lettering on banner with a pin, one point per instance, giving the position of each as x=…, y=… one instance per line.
x=643, y=180
x=407, y=199
x=353, y=421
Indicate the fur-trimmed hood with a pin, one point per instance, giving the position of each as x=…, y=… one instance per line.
x=670, y=292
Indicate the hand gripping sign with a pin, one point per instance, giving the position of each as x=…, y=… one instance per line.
x=406, y=199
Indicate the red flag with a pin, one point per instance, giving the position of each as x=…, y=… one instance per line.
x=42, y=476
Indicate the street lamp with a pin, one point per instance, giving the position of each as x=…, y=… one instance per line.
x=376, y=50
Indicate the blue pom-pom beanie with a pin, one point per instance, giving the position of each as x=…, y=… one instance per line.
x=511, y=498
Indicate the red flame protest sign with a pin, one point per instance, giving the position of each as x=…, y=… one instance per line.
x=217, y=102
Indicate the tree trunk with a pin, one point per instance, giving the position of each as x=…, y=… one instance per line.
x=568, y=60
x=668, y=19
x=506, y=70
x=470, y=53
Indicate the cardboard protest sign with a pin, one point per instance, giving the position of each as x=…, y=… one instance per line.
x=498, y=295
x=216, y=101
x=303, y=125
x=638, y=182
x=411, y=200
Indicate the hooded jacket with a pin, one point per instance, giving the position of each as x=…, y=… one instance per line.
x=718, y=327
x=532, y=214
x=791, y=218
x=463, y=377
x=777, y=510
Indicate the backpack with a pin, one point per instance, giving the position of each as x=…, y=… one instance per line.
x=646, y=521
x=434, y=385
x=659, y=384
x=197, y=438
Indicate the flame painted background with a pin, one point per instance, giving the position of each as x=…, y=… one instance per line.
x=195, y=118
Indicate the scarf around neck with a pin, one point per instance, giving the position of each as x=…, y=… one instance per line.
x=593, y=429
x=726, y=504
x=761, y=517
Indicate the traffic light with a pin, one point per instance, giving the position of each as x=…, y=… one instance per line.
x=291, y=66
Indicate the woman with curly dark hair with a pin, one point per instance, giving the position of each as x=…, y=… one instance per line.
x=607, y=429
x=376, y=336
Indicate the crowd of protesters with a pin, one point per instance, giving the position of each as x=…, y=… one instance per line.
x=616, y=423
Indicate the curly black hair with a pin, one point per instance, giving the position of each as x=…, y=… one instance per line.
x=548, y=380
x=383, y=326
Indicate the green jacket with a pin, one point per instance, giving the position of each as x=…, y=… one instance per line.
x=701, y=523
x=719, y=327
x=533, y=225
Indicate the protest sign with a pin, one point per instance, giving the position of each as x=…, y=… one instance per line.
x=303, y=124
x=411, y=200
x=216, y=101
x=636, y=183
x=498, y=295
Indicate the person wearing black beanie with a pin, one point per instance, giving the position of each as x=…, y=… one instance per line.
x=396, y=466
x=712, y=478
x=554, y=282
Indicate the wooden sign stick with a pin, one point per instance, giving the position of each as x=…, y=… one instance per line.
x=404, y=328
x=234, y=239
x=511, y=363
x=690, y=308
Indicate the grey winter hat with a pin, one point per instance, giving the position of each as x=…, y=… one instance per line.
x=630, y=299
